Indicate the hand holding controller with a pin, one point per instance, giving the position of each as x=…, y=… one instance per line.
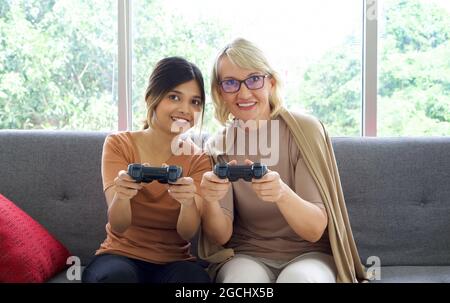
x=236, y=172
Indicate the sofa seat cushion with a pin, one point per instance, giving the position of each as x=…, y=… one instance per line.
x=61, y=277
x=415, y=274
x=28, y=252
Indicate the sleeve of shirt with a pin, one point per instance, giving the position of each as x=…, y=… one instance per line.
x=113, y=161
x=227, y=202
x=200, y=165
x=305, y=186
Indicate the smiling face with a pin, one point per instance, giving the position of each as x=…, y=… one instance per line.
x=176, y=111
x=245, y=104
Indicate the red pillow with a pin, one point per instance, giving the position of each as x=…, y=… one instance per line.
x=28, y=253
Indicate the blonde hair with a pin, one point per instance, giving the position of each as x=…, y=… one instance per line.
x=246, y=55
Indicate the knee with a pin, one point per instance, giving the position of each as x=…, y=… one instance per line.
x=296, y=276
x=243, y=270
x=89, y=277
x=114, y=269
x=306, y=273
x=114, y=275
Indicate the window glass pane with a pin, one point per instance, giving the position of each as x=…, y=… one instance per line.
x=315, y=46
x=58, y=65
x=414, y=68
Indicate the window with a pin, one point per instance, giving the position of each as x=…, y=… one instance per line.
x=315, y=46
x=414, y=68
x=58, y=65
x=172, y=28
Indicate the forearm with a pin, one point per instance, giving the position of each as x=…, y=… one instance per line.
x=188, y=220
x=119, y=214
x=215, y=223
x=305, y=218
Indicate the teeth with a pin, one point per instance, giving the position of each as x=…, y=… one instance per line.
x=246, y=104
x=179, y=120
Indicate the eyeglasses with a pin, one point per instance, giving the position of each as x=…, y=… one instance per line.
x=252, y=83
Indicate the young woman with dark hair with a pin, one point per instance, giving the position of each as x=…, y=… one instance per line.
x=150, y=224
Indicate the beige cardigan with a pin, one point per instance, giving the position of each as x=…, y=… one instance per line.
x=315, y=146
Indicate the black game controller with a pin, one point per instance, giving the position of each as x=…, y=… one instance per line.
x=235, y=172
x=147, y=174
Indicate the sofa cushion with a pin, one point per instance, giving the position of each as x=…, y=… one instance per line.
x=55, y=177
x=397, y=195
x=414, y=274
x=28, y=253
x=61, y=277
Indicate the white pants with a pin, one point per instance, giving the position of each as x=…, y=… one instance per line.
x=312, y=267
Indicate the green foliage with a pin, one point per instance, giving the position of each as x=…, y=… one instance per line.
x=415, y=25
x=414, y=82
x=58, y=66
x=163, y=33
x=414, y=76
x=331, y=91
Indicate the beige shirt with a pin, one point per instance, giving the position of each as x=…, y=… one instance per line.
x=152, y=235
x=260, y=229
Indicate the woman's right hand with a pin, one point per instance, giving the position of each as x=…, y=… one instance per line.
x=213, y=188
x=125, y=186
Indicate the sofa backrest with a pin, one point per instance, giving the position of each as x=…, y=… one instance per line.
x=55, y=177
x=397, y=191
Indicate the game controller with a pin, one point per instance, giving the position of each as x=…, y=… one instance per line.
x=147, y=174
x=235, y=172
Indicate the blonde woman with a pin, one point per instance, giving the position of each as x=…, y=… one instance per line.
x=291, y=225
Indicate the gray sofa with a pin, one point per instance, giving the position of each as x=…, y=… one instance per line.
x=397, y=192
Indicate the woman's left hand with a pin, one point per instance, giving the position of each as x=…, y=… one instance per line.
x=269, y=188
x=183, y=191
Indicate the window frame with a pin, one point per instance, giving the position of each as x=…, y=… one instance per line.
x=369, y=70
